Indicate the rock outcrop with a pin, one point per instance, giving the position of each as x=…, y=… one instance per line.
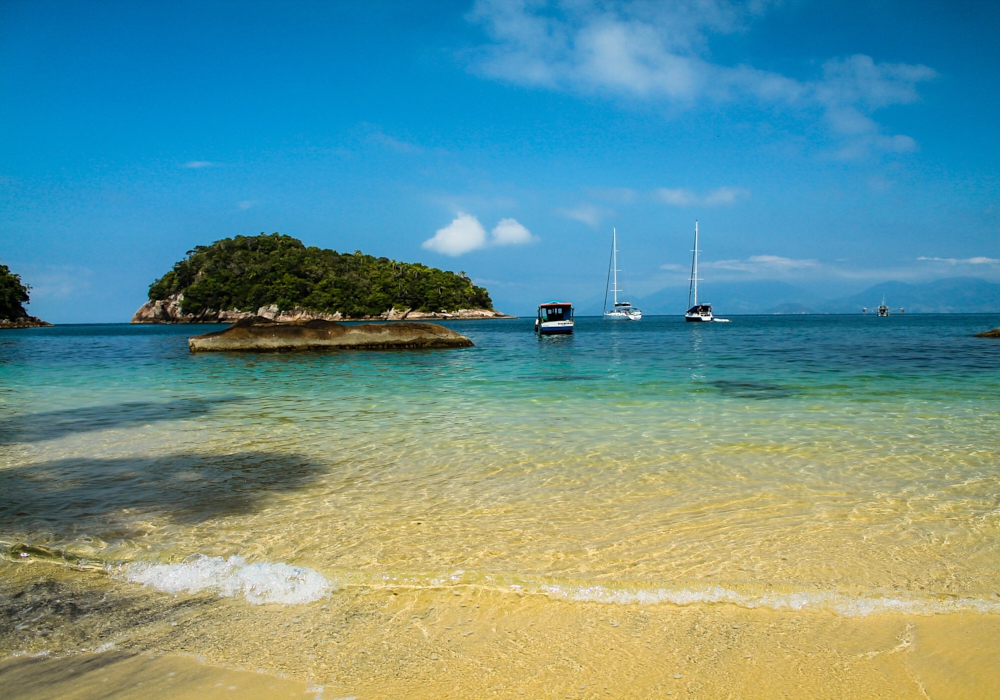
x=258, y=334
x=995, y=333
x=23, y=322
x=169, y=311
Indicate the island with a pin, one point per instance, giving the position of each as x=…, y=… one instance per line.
x=13, y=296
x=995, y=333
x=276, y=277
x=259, y=334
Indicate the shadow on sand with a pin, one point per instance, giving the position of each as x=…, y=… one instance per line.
x=112, y=498
x=51, y=425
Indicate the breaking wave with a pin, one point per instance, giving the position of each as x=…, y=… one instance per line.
x=259, y=583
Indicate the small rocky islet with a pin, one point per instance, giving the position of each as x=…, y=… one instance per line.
x=276, y=277
x=995, y=333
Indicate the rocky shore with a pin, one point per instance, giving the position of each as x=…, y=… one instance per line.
x=169, y=311
x=258, y=334
x=995, y=333
x=23, y=322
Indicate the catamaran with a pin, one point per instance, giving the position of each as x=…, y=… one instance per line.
x=698, y=312
x=621, y=309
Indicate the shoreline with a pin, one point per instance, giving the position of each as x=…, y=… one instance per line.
x=470, y=642
x=168, y=311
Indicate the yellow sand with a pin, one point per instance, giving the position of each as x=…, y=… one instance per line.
x=471, y=642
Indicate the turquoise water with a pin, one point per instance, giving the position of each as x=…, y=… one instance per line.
x=829, y=461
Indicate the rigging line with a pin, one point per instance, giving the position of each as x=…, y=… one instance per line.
x=691, y=281
x=607, y=284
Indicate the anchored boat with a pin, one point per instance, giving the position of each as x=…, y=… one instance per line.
x=554, y=318
x=622, y=310
x=698, y=312
x=882, y=310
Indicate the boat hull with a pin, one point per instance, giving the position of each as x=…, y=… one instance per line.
x=621, y=316
x=695, y=318
x=555, y=328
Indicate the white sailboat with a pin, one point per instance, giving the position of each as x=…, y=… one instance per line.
x=698, y=312
x=622, y=310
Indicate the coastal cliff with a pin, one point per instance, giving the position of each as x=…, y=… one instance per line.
x=278, y=278
x=265, y=335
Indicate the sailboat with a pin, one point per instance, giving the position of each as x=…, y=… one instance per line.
x=698, y=312
x=621, y=309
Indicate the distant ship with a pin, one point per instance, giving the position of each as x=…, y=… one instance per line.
x=621, y=309
x=882, y=309
x=698, y=312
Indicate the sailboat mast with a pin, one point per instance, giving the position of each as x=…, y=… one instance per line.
x=696, y=262
x=693, y=286
x=614, y=256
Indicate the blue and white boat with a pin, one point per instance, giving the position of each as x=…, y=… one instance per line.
x=554, y=317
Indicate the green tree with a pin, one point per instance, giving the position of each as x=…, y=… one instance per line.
x=12, y=295
x=247, y=272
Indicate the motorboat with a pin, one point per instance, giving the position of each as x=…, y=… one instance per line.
x=554, y=318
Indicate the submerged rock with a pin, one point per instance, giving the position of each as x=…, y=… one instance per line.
x=259, y=334
x=995, y=333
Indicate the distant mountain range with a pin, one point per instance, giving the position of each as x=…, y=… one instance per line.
x=950, y=295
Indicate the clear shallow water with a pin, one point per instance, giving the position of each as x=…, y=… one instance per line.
x=846, y=463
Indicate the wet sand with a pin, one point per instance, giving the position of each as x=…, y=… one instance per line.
x=115, y=675
x=471, y=642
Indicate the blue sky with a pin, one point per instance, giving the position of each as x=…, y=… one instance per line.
x=830, y=145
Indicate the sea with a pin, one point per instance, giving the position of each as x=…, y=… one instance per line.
x=650, y=480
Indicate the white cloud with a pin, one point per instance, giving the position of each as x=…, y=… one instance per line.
x=659, y=51
x=979, y=260
x=511, y=232
x=762, y=264
x=465, y=234
x=461, y=236
x=198, y=164
x=246, y=204
x=585, y=214
x=687, y=198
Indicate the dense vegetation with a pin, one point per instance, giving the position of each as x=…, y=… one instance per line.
x=247, y=272
x=12, y=295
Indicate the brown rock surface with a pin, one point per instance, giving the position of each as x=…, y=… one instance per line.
x=24, y=322
x=995, y=333
x=169, y=311
x=259, y=334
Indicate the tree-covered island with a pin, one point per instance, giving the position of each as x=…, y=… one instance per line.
x=278, y=277
x=13, y=297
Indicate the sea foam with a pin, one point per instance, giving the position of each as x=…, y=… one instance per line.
x=260, y=582
x=839, y=603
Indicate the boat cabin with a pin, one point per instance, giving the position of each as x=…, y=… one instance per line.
x=699, y=312
x=554, y=317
